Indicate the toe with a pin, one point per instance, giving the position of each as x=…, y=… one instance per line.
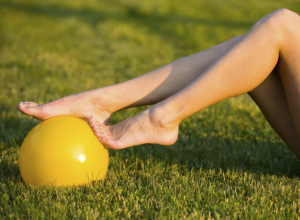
x=28, y=107
x=100, y=134
x=95, y=124
x=29, y=104
x=24, y=105
x=33, y=109
x=99, y=131
x=91, y=121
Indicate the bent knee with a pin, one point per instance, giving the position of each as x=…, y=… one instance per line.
x=283, y=20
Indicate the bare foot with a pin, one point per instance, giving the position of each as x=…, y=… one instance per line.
x=145, y=127
x=81, y=105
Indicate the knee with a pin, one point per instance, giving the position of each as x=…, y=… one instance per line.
x=283, y=21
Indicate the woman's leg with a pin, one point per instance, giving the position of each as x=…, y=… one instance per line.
x=147, y=89
x=270, y=98
x=266, y=95
x=242, y=68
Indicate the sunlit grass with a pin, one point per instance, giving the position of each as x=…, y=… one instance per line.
x=227, y=162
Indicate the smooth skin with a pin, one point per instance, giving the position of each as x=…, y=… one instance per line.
x=262, y=63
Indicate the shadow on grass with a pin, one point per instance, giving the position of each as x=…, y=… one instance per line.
x=161, y=25
x=202, y=147
x=92, y=16
x=192, y=152
x=13, y=130
x=13, y=64
x=217, y=153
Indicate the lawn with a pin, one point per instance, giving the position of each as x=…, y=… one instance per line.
x=228, y=163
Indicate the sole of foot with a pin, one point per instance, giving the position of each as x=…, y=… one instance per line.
x=140, y=129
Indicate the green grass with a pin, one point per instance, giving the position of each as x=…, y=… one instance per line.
x=227, y=163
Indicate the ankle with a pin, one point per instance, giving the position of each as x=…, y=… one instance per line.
x=105, y=100
x=162, y=118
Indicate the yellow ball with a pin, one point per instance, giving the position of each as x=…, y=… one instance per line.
x=62, y=151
